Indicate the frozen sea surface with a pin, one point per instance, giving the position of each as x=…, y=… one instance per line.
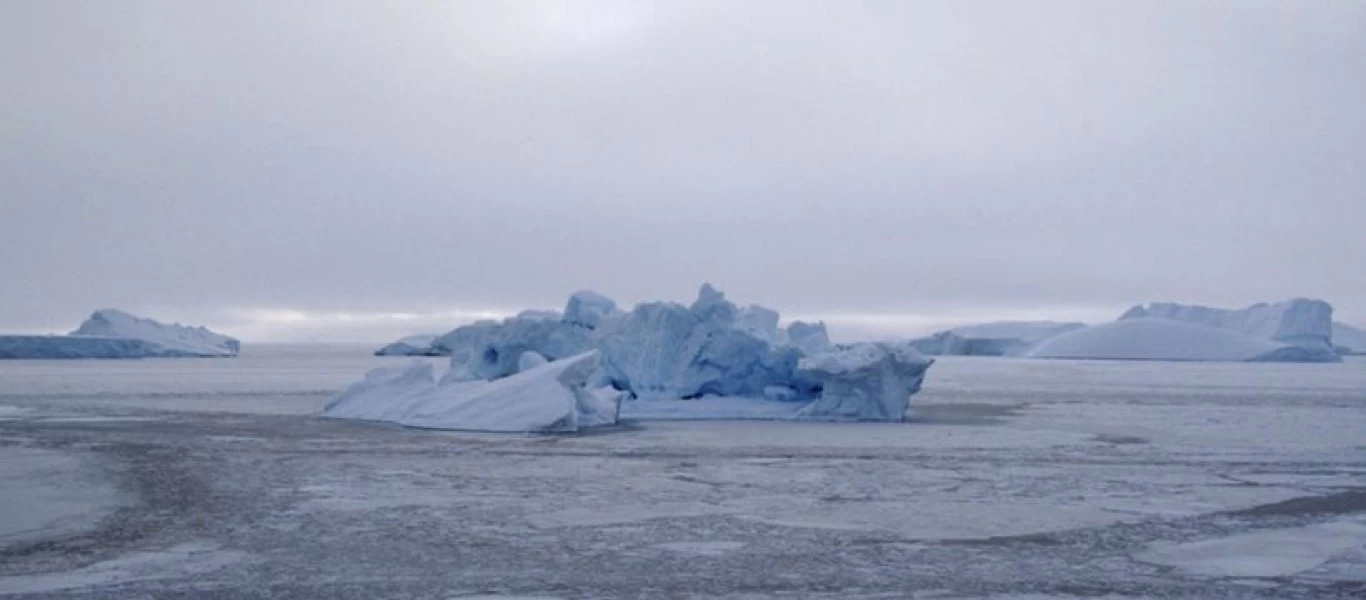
x=1014, y=479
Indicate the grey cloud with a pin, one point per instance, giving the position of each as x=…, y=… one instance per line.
x=825, y=158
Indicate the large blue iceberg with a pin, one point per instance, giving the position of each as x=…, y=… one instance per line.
x=710, y=359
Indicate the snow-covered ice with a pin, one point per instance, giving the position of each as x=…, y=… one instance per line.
x=385, y=394
x=545, y=397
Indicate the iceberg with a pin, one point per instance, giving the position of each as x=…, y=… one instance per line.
x=864, y=382
x=1004, y=338
x=174, y=339
x=810, y=338
x=1149, y=338
x=1348, y=339
x=110, y=333
x=551, y=397
x=66, y=346
x=1300, y=322
x=413, y=345
x=708, y=360
x=495, y=351
x=666, y=350
x=385, y=394
x=587, y=308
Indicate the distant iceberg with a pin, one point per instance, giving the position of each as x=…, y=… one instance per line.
x=710, y=359
x=1297, y=330
x=1348, y=339
x=1163, y=339
x=1003, y=338
x=413, y=345
x=110, y=333
x=1299, y=321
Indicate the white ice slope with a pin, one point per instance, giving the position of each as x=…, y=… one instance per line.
x=550, y=397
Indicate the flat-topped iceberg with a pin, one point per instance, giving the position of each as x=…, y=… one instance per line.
x=710, y=359
x=550, y=397
x=66, y=346
x=1296, y=330
x=1164, y=339
x=1299, y=322
x=110, y=333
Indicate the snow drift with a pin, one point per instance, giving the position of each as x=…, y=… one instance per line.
x=110, y=333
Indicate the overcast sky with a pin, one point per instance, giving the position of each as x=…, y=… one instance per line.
x=333, y=170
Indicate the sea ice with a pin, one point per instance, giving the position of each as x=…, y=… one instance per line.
x=1269, y=553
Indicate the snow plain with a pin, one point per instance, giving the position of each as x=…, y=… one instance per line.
x=1013, y=479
